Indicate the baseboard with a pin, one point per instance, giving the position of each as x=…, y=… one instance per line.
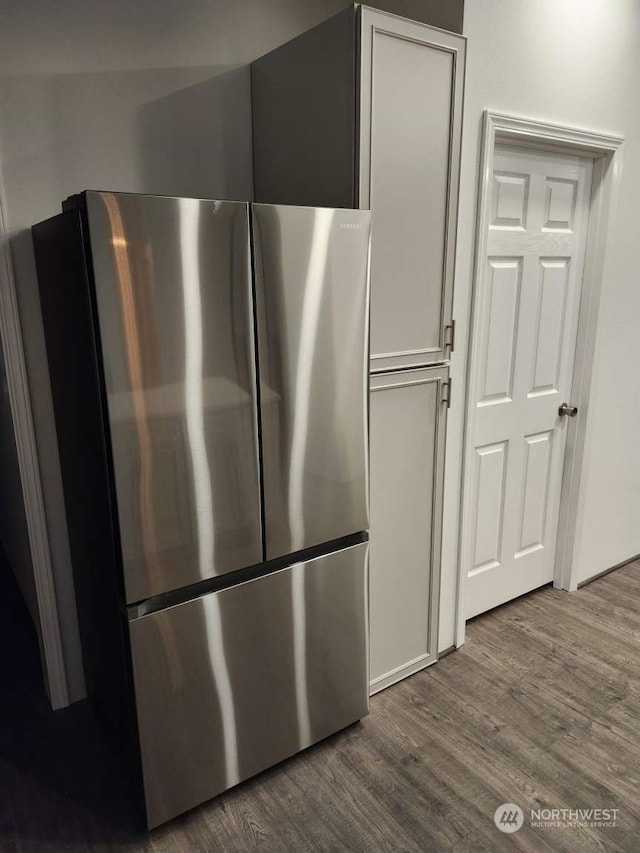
x=402, y=672
x=446, y=652
x=607, y=571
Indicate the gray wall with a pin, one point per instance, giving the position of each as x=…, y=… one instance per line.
x=145, y=96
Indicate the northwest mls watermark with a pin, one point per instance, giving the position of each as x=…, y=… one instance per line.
x=599, y=818
x=510, y=817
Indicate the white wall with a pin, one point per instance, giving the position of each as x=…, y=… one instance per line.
x=574, y=62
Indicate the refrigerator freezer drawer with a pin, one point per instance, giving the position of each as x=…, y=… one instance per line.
x=233, y=682
x=311, y=271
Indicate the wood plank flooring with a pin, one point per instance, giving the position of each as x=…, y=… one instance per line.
x=541, y=708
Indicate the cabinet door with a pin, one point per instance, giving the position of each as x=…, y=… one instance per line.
x=411, y=87
x=408, y=415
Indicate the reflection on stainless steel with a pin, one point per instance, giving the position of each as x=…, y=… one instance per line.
x=201, y=473
x=220, y=675
x=175, y=317
x=302, y=393
x=301, y=415
x=134, y=371
x=300, y=652
x=182, y=732
x=194, y=398
x=312, y=298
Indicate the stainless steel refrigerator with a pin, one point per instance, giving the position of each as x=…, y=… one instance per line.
x=208, y=364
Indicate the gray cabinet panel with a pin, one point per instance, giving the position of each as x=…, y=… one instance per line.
x=234, y=681
x=305, y=117
x=408, y=417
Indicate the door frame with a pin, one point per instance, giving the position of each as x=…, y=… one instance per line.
x=606, y=152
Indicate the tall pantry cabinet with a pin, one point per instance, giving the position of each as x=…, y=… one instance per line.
x=365, y=110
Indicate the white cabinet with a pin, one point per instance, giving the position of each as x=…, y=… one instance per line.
x=408, y=414
x=411, y=79
x=365, y=110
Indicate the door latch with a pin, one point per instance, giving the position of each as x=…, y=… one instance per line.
x=568, y=410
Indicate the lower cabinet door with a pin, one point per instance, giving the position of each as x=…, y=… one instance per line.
x=234, y=681
x=408, y=419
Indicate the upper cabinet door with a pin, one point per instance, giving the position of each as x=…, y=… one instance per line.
x=175, y=316
x=411, y=89
x=311, y=273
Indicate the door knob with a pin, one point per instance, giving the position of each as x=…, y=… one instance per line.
x=569, y=411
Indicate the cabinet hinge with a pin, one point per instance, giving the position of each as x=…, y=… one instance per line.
x=446, y=388
x=450, y=336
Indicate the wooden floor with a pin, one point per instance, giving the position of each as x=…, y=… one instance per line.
x=541, y=708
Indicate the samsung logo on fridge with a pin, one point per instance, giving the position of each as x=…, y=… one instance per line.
x=351, y=226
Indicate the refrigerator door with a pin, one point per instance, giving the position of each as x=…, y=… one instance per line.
x=230, y=683
x=174, y=308
x=312, y=290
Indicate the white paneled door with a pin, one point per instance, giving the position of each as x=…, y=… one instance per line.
x=528, y=304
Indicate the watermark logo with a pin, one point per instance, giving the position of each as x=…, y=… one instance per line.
x=596, y=818
x=508, y=817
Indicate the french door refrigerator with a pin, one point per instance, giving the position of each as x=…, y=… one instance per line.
x=208, y=364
